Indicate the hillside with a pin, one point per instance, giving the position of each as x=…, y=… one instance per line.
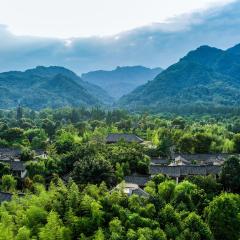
x=207, y=78
x=121, y=80
x=93, y=89
x=48, y=87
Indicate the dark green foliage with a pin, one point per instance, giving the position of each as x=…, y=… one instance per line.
x=93, y=169
x=74, y=140
x=48, y=87
x=195, y=229
x=27, y=154
x=208, y=183
x=223, y=216
x=206, y=80
x=230, y=175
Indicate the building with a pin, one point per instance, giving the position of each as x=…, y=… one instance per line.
x=212, y=158
x=5, y=196
x=162, y=161
x=8, y=154
x=40, y=153
x=18, y=168
x=181, y=171
x=129, y=138
x=130, y=189
x=140, y=180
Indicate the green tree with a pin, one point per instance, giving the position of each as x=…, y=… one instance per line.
x=54, y=229
x=93, y=169
x=230, y=175
x=195, y=229
x=116, y=230
x=27, y=154
x=23, y=234
x=222, y=216
x=202, y=143
x=186, y=143
x=8, y=183
x=208, y=183
x=236, y=140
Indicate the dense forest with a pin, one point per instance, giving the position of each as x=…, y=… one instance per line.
x=206, y=80
x=70, y=192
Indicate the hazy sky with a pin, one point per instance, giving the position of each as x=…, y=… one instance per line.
x=81, y=18
x=159, y=32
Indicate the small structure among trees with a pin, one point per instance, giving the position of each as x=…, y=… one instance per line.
x=116, y=137
x=130, y=189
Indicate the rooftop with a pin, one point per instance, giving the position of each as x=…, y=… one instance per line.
x=5, y=196
x=140, y=180
x=177, y=171
x=7, y=154
x=17, y=166
x=130, y=189
x=116, y=137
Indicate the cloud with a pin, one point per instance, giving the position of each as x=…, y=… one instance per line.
x=159, y=44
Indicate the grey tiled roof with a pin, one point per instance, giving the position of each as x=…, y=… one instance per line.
x=177, y=171
x=115, y=137
x=140, y=180
x=162, y=161
x=17, y=166
x=5, y=196
x=7, y=154
x=204, y=157
x=140, y=192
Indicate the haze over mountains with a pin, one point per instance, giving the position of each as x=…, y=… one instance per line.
x=121, y=80
x=205, y=78
x=159, y=44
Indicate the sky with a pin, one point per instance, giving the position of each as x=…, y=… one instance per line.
x=84, y=18
x=85, y=35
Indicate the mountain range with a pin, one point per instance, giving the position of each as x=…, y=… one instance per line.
x=206, y=78
x=121, y=80
x=43, y=87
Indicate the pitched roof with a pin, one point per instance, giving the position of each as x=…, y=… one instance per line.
x=5, y=196
x=7, y=154
x=177, y=171
x=162, y=161
x=130, y=188
x=17, y=166
x=205, y=158
x=181, y=159
x=140, y=180
x=116, y=137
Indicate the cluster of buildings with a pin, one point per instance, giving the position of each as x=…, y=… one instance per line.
x=12, y=158
x=177, y=167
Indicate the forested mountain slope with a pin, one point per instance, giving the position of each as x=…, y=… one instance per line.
x=121, y=80
x=48, y=87
x=205, y=78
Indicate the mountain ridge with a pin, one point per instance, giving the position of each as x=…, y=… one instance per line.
x=206, y=76
x=52, y=86
x=121, y=80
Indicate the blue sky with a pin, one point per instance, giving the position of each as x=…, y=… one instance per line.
x=102, y=34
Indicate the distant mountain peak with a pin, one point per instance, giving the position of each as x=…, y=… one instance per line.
x=234, y=50
x=121, y=80
x=52, y=86
x=206, y=77
x=204, y=54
